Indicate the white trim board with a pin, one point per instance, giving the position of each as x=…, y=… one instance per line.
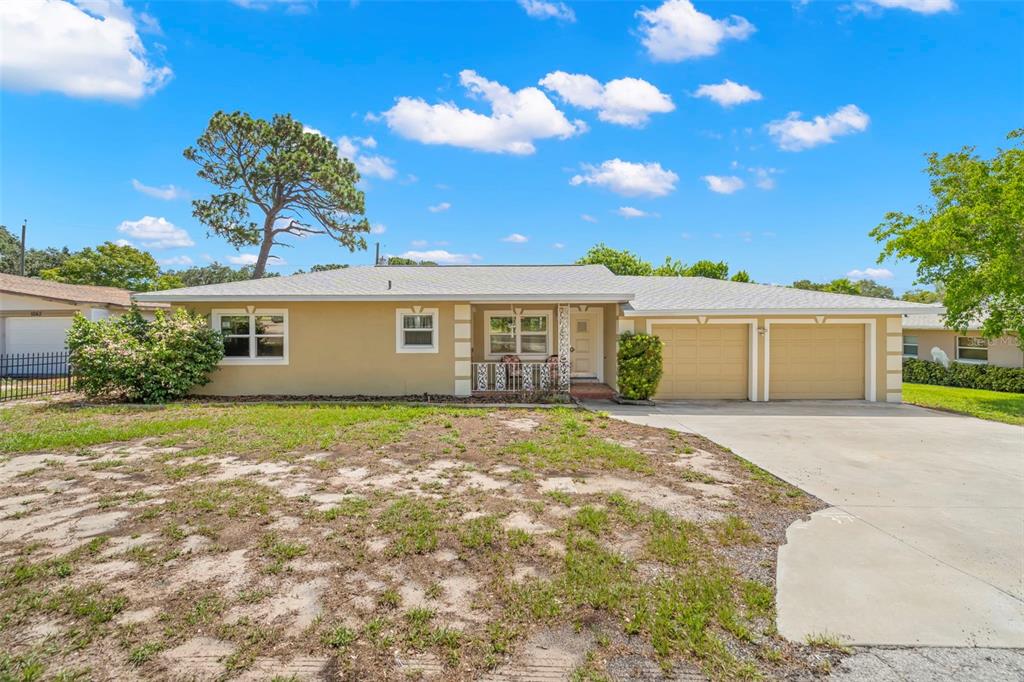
x=252, y=312
x=400, y=346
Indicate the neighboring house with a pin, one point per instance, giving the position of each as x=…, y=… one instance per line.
x=922, y=333
x=461, y=329
x=35, y=314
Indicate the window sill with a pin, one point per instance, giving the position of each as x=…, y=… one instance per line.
x=431, y=349
x=253, y=361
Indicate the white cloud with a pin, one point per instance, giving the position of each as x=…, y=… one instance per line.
x=442, y=256
x=516, y=119
x=311, y=129
x=251, y=258
x=870, y=273
x=676, y=31
x=418, y=243
x=587, y=218
x=88, y=49
x=723, y=184
x=290, y=6
x=439, y=208
x=625, y=101
x=155, y=233
x=538, y=9
x=763, y=177
x=123, y=242
x=182, y=261
x=558, y=245
x=369, y=165
x=628, y=178
x=629, y=212
x=166, y=193
x=379, y=228
x=728, y=93
x=516, y=238
x=919, y=6
x=793, y=134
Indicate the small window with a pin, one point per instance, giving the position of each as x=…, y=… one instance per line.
x=502, y=334
x=533, y=335
x=971, y=349
x=417, y=331
x=909, y=346
x=253, y=337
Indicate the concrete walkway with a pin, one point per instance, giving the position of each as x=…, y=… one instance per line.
x=924, y=543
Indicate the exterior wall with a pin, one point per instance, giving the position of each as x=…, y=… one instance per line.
x=611, y=343
x=887, y=345
x=1002, y=352
x=343, y=348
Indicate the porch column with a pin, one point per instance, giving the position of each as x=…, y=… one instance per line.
x=463, y=350
x=563, y=348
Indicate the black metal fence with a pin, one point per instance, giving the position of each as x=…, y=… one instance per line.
x=27, y=375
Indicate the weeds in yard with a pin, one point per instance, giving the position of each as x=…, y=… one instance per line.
x=734, y=530
x=415, y=524
x=567, y=444
x=483, y=532
x=338, y=637
x=826, y=640
x=591, y=519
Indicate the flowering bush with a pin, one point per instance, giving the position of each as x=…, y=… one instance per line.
x=136, y=360
x=640, y=365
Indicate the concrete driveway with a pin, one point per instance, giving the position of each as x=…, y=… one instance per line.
x=924, y=541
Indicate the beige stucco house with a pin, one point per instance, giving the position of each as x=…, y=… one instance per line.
x=35, y=314
x=456, y=330
x=923, y=333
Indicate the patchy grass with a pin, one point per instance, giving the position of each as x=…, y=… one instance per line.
x=991, y=405
x=375, y=537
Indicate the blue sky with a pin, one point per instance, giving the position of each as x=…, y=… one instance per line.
x=603, y=131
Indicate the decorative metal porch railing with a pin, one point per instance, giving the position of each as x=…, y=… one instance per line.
x=515, y=377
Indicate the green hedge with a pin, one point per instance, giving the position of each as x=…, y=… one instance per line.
x=964, y=375
x=640, y=365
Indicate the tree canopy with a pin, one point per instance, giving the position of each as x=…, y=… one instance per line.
x=214, y=273
x=625, y=262
x=112, y=265
x=843, y=285
x=399, y=260
x=36, y=260
x=275, y=180
x=971, y=241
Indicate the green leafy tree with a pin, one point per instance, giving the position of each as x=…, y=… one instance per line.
x=869, y=287
x=921, y=296
x=971, y=241
x=672, y=267
x=836, y=286
x=709, y=269
x=741, y=276
x=214, y=273
x=620, y=262
x=275, y=180
x=323, y=267
x=36, y=260
x=108, y=265
x=399, y=260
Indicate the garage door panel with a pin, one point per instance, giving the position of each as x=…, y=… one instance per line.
x=35, y=334
x=817, y=362
x=703, y=362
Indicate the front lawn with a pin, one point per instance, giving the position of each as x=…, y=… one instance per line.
x=200, y=541
x=994, y=405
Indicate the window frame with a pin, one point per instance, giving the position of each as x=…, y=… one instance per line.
x=517, y=332
x=400, y=314
x=972, y=361
x=916, y=344
x=252, y=313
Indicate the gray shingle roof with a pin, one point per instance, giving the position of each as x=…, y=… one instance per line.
x=71, y=293
x=695, y=295
x=932, y=322
x=450, y=283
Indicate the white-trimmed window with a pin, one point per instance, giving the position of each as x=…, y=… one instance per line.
x=971, y=349
x=253, y=336
x=416, y=330
x=527, y=333
x=910, y=347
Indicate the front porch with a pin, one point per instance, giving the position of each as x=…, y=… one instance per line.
x=533, y=349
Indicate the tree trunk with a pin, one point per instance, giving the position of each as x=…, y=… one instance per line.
x=268, y=241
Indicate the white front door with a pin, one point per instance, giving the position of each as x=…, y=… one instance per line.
x=585, y=333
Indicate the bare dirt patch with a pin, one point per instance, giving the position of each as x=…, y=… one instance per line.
x=359, y=542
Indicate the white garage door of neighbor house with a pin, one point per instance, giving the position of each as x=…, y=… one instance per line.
x=704, y=361
x=36, y=334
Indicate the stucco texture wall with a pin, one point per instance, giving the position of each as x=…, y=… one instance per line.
x=1002, y=352
x=342, y=349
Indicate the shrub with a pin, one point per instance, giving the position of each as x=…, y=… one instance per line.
x=964, y=375
x=132, y=359
x=640, y=365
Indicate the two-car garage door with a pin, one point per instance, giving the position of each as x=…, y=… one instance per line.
x=805, y=361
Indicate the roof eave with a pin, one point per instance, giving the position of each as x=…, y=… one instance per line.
x=632, y=312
